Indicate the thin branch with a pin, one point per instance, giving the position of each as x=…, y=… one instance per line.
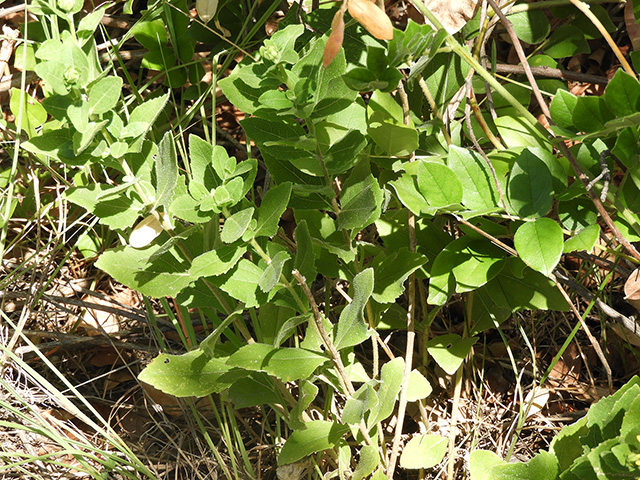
x=411, y=305
x=549, y=72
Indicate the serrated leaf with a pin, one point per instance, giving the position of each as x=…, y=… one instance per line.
x=273, y=206
x=235, y=225
x=393, y=272
x=352, y=328
x=317, y=435
x=287, y=364
x=423, y=451
x=540, y=244
x=450, y=350
x=191, y=374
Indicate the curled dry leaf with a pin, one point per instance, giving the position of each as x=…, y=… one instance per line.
x=453, y=15
x=334, y=42
x=145, y=232
x=537, y=398
x=206, y=9
x=372, y=18
x=632, y=289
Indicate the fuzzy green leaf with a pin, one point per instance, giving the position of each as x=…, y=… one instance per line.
x=423, y=451
x=317, y=435
x=352, y=328
x=235, y=225
x=273, y=206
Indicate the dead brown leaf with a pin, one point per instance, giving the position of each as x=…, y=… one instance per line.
x=372, y=18
x=453, y=15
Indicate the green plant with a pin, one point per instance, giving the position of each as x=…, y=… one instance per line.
x=603, y=444
x=384, y=193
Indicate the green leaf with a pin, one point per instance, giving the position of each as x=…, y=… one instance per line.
x=516, y=131
x=216, y=262
x=256, y=389
x=235, y=225
x=479, y=190
x=317, y=435
x=408, y=194
x=166, y=169
x=419, y=387
x=352, y=328
x=423, y=451
x=145, y=115
x=271, y=274
x=394, y=139
x=151, y=34
x=566, y=41
x=515, y=289
x=33, y=113
x=359, y=404
x=287, y=364
x=477, y=264
x=390, y=383
x=191, y=374
x=164, y=277
x=530, y=189
x=243, y=282
x=540, y=244
x=117, y=211
x=305, y=261
x=481, y=462
x=531, y=26
x=273, y=206
x=361, y=199
x=369, y=460
x=449, y=351
x=585, y=240
x=622, y=94
x=561, y=109
x=104, y=94
x=591, y=114
x=439, y=185
x=393, y=272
